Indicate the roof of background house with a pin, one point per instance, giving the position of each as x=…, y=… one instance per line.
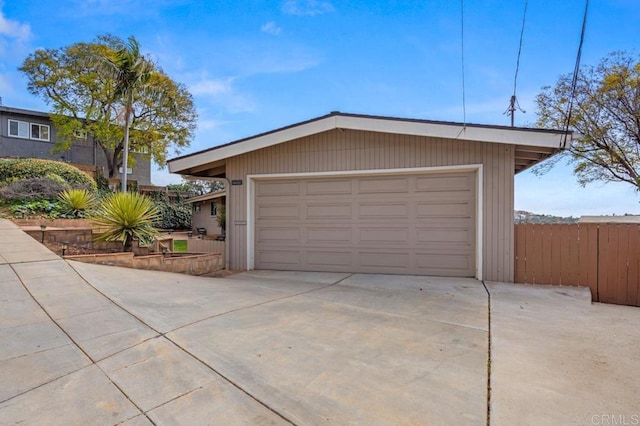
x=206, y=197
x=610, y=219
x=23, y=111
x=547, y=141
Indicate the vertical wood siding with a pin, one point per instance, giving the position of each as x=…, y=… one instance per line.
x=343, y=150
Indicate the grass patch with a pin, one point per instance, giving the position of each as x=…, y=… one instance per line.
x=179, y=246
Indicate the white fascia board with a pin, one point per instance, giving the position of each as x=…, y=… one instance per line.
x=253, y=144
x=416, y=128
x=206, y=197
x=453, y=131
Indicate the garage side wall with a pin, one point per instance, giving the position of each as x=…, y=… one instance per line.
x=343, y=150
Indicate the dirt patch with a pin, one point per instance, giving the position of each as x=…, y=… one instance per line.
x=221, y=273
x=73, y=250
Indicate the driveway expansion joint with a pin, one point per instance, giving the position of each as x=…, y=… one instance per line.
x=488, y=353
x=93, y=362
x=255, y=305
x=164, y=335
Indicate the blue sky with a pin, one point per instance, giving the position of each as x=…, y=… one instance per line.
x=253, y=66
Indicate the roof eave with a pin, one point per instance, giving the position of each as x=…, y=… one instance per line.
x=458, y=131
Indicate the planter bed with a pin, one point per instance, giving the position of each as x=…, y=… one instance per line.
x=185, y=263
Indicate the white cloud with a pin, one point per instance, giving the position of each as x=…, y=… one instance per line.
x=13, y=29
x=307, y=7
x=211, y=87
x=208, y=124
x=162, y=177
x=271, y=28
x=220, y=92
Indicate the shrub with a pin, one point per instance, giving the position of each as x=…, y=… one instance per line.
x=171, y=215
x=126, y=215
x=31, y=190
x=30, y=168
x=76, y=202
x=36, y=208
x=59, y=180
x=222, y=217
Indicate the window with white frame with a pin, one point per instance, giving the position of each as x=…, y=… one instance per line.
x=26, y=130
x=18, y=129
x=39, y=132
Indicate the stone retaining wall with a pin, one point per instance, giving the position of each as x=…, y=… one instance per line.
x=192, y=264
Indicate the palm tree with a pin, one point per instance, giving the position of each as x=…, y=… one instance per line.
x=131, y=71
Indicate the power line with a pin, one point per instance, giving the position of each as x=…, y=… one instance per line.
x=513, y=103
x=576, y=71
x=464, y=107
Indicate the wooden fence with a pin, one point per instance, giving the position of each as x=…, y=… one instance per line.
x=603, y=257
x=196, y=245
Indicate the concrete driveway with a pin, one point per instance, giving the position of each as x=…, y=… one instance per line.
x=90, y=344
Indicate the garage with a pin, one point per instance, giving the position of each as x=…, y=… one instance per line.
x=422, y=223
x=361, y=193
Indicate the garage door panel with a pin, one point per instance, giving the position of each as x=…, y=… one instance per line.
x=278, y=211
x=383, y=235
x=281, y=257
x=445, y=196
x=291, y=235
x=329, y=187
x=329, y=235
x=383, y=210
x=397, y=260
x=444, y=236
x=442, y=261
x=353, y=225
x=442, y=209
x=329, y=258
x=446, y=183
x=329, y=211
x=277, y=188
x=382, y=185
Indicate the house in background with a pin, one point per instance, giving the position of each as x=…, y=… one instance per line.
x=369, y=194
x=206, y=209
x=30, y=134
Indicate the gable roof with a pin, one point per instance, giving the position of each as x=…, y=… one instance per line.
x=538, y=144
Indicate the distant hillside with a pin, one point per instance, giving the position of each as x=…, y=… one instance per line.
x=521, y=216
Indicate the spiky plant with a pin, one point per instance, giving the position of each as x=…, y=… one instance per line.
x=77, y=202
x=126, y=215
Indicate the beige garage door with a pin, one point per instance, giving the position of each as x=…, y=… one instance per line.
x=398, y=224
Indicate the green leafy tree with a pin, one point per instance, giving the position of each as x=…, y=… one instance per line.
x=106, y=88
x=605, y=119
x=197, y=187
x=126, y=215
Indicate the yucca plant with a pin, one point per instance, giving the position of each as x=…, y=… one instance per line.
x=76, y=202
x=126, y=215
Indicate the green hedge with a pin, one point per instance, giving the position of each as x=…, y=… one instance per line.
x=12, y=170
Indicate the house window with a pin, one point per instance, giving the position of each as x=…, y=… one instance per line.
x=40, y=132
x=214, y=209
x=19, y=129
x=196, y=207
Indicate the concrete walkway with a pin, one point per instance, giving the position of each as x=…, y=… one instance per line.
x=91, y=344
